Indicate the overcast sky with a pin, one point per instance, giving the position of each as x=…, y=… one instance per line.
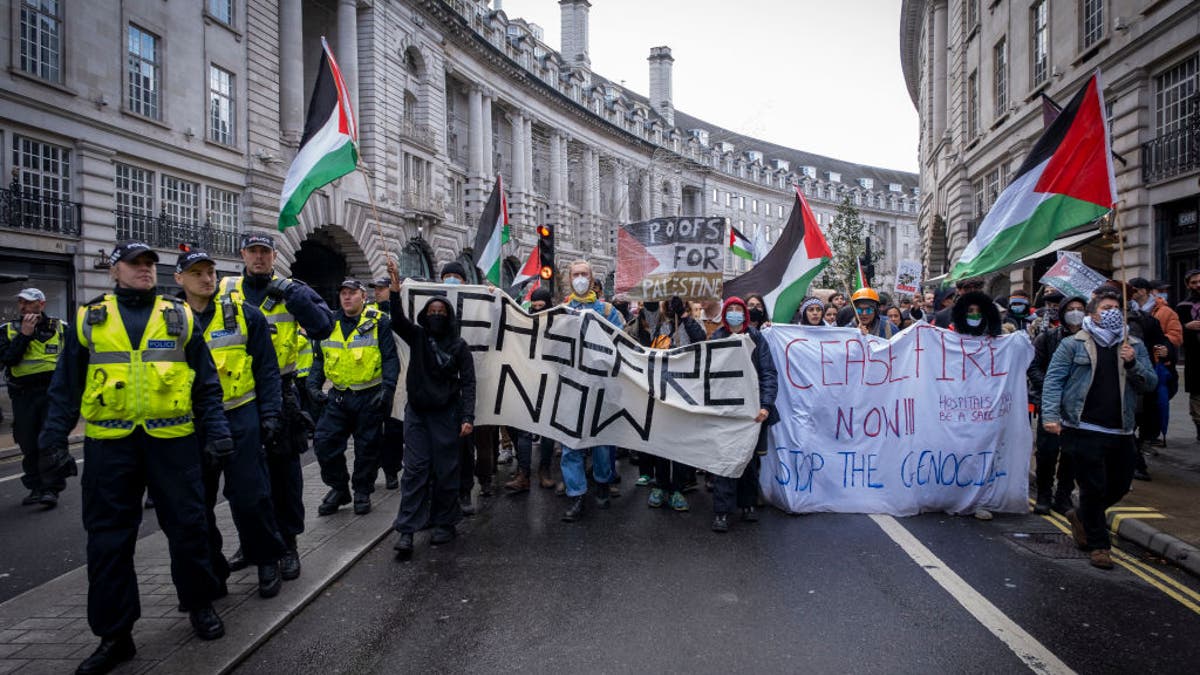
x=814, y=75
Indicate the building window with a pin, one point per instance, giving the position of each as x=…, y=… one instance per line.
x=1000, y=82
x=971, y=14
x=1039, y=44
x=728, y=199
x=180, y=200
x=1172, y=93
x=1092, y=17
x=973, y=104
x=135, y=202
x=41, y=39
x=753, y=206
x=144, y=71
x=716, y=198
x=222, y=209
x=220, y=106
x=44, y=173
x=221, y=10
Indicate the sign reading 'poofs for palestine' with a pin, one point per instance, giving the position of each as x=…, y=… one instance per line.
x=659, y=258
x=575, y=377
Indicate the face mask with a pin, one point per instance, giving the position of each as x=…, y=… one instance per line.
x=1074, y=317
x=757, y=315
x=651, y=307
x=1018, y=308
x=734, y=319
x=1110, y=319
x=438, y=324
x=676, y=305
x=1051, y=313
x=581, y=285
x=622, y=307
x=974, y=320
x=1160, y=296
x=453, y=281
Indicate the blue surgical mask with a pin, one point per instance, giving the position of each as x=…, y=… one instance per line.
x=453, y=281
x=734, y=319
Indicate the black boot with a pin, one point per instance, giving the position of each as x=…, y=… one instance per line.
x=391, y=480
x=110, y=653
x=237, y=561
x=269, y=581
x=442, y=534
x=574, y=511
x=404, y=546
x=720, y=523
x=1042, y=506
x=362, y=504
x=207, y=623
x=289, y=564
x=333, y=500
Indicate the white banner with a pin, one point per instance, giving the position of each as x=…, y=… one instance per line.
x=576, y=378
x=929, y=421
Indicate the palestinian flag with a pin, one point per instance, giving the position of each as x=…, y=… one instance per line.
x=860, y=278
x=493, y=234
x=1066, y=181
x=329, y=148
x=739, y=245
x=532, y=269
x=783, y=275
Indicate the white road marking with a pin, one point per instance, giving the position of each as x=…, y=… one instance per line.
x=5, y=480
x=1033, y=653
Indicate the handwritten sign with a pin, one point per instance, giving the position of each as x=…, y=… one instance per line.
x=930, y=420
x=659, y=258
x=1071, y=277
x=575, y=377
x=908, y=277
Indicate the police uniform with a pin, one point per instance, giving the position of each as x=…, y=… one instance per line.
x=239, y=341
x=363, y=369
x=287, y=306
x=30, y=361
x=136, y=367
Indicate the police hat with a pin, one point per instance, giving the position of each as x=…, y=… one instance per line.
x=258, y=240
x=191, y=257
x=381, y=282
x=353, y=283
x=126, y=251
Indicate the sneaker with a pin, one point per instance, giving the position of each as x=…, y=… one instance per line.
x=657, y=497
x=720, y=523
x=32, y=498
x=506, y=456
x=1101, y=558
x=750, y=514
x=466, y=506
x=574, y=511
x=48, y=499
x=983, y=514
x=679, y=502
x=643, y=480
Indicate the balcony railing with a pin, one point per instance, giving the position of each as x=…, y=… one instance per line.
x=1171, y=154
x=164, y=232
x=418, y=133
x=26, y=208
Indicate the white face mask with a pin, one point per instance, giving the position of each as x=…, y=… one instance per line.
x=581, y=285
x=1074, y=317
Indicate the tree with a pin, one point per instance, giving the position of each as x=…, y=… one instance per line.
x=847, y=237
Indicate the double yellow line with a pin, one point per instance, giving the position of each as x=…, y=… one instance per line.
x=1172, y=588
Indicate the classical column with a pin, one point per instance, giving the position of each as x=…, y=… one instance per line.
x=555, y=169
x=347, y=47
x=529, y=155
x=489, y=150
x=95, y=171
x=939, y=57
x=656, y=197
x=517, y=207
x=475, y=133
x=647, y=196
x=621, y=178
x=291, y=70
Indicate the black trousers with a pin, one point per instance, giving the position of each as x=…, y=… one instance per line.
x=346, y=413
x=672, y=476
x=283, y=466
x=1104, y=469
x=1052, y=464
x=429, y=484
x=248, y=489
x=391, y=452
x=737, y=493
x=115, y=474
x=477, y=458
x=524, y=442
x=30, y=405
x=645, y=464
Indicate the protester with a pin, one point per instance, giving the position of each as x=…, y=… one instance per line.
x=894, y=315
x=1162, y=352
x=672, y=478
x=974, y=313
x=756, y=311
x=440, y=412
x=1151, y=300
x=742, y=492
x=646, y=329
x=866, y=309
x=141, y=433
x=539, y=300
x=1094, y=380
x=239, y=340
x=1189, y=314
x=1051, y=464
x=1048, y=316
x=29, y=350
x=573, y=461
x=941, y=309
x=831, y=316
x=811, y=313
x=837, y=300
x=1019, y=315
x=359, y=359
x=1168, y=375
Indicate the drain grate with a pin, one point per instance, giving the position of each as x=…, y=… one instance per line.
x=1048, y=544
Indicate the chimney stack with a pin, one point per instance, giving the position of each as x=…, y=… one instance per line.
x=575, y=32
x=660, y=82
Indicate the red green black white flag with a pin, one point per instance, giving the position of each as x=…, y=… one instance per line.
x=493, y=233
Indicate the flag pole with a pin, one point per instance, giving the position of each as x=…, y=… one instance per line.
x=374, y=209
x=1116, y=216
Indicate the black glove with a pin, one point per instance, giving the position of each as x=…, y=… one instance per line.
x=56, y=463
x=218, y=450
x=382, y=403
x=279, y=287
x=272, y=430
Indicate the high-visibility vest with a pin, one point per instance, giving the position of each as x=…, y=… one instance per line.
x=150, y=386
x=227, y=336
x=283, y=325
x=39, y=357
x=353, y=361
x=304, y=355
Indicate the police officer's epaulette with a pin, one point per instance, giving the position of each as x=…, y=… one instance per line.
x=96, y=310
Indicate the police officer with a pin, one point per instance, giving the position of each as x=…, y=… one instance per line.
x=240, y=343
x=29, y=349
x=288, y=305
x=359, y=358
x=136, y=366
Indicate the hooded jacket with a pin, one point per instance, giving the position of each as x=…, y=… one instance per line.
x=1044, y=346
x=764, y=363
x=991, y=316
x=441, y=371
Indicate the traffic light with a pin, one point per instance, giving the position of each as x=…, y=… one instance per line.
x=546, y=254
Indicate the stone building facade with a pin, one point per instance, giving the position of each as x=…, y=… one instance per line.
x=977, y=70
x=176, y=122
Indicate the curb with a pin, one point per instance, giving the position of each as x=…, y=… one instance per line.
x=1175, y=550
x=15, y=451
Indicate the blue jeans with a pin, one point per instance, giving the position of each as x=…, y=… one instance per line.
x=573, y=468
